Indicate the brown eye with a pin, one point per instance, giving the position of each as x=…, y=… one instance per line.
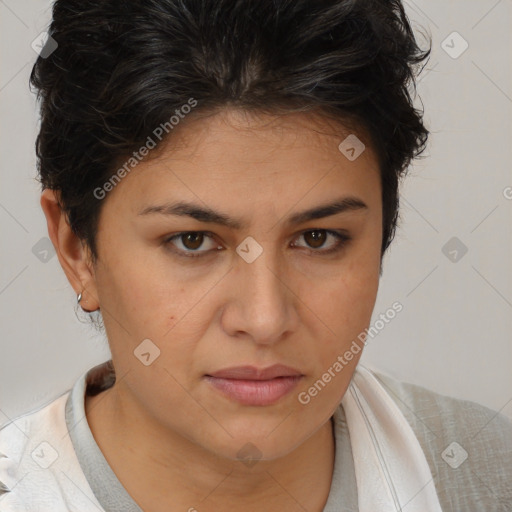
x=316, y=241
x=193, y=240
x=192, y=243
x=315, y=238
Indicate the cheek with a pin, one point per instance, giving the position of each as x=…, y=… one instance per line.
x=342, y=306
x=150, y=302
x=343, y=309
x=133, y=306
x=138, y=281
x=346, y=297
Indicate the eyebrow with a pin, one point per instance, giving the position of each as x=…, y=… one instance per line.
x=201, y=214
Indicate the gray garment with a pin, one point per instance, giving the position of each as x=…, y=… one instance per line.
x=481, y=482
x=108, y=490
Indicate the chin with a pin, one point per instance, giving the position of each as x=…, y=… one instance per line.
x=255, y=443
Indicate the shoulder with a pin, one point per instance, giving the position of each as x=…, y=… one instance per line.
x=38, y=464
x=27, y=449
x=467, y=445
x=16, y=435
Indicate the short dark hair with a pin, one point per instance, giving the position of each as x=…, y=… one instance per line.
x=123, y=68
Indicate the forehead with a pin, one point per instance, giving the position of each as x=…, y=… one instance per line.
x=256, y=131
x=235, y=153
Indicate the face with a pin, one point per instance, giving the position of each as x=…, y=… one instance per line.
x=256, y=284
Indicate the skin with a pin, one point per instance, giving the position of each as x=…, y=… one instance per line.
x=163, y=427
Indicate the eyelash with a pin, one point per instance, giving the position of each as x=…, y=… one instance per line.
x=342, y=241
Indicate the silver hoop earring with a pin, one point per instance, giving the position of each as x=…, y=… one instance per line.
x=79, y=298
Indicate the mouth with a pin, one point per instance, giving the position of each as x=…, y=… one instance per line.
x=248, y=385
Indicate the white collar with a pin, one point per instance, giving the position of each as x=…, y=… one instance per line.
x=392, y=472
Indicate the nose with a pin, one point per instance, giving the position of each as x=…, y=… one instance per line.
x=261, y=305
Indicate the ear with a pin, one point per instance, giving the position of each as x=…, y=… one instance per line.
x=74, y=255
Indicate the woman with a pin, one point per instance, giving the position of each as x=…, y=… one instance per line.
x=220, y=181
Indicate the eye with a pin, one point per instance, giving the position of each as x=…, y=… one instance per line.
x=316, y=238
x=191, y=241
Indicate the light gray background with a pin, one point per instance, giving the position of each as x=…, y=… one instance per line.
x=454, y=333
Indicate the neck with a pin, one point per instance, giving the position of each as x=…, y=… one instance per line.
x=182, y=476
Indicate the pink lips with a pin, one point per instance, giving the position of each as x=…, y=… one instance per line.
x=252, y=386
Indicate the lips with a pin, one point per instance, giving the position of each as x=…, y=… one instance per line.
x=249, y=385
x=253, y=373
